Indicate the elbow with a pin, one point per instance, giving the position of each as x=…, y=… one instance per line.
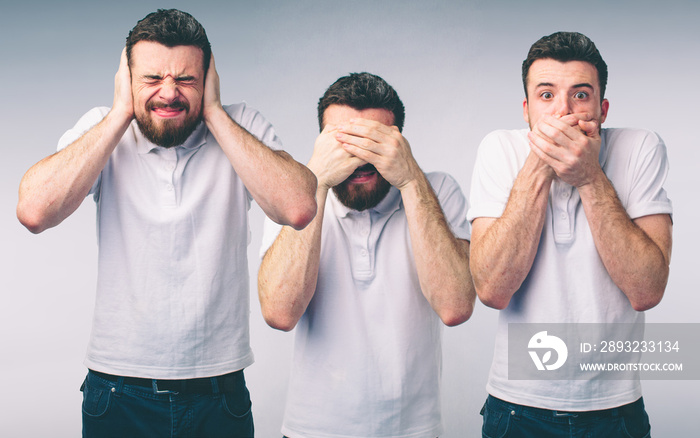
x=459, y=310
x=647, y=302
x=279, y=321
x=31, y=220
x=302, y=215
x=490, y=298
x=303, y=209
x=648, y=294
x=490, y=294
x=456, y=317
x=277, y=314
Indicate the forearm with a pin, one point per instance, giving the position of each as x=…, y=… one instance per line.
x=289, y=272
x=54, y=188
x=502, y=252
x=636, y=259
x=442, y=260
x=283, y=187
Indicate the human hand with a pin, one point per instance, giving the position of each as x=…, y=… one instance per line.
x=330, y=162
x=382, y=146
x=570, y=145
x=212, y=92
x=123, y=99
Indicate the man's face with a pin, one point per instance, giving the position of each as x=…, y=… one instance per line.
x=365, y=187
x=167, y=84
x=561, y=88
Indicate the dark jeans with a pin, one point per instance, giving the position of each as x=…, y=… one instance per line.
x=503, y=419
x=112, y=408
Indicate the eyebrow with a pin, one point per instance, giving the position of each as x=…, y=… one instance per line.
x=549, y=84
x=178, y=78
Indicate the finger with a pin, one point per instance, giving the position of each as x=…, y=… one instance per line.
x=559, y=132
x=370, y=129
x=575, y=118
x=123, y=60
x=212, y=64
x=545, y=157
x=329, y=128
x=590, y=128
x=372, y=124
x=544, y=145
x=361, y=153
x=358, y=141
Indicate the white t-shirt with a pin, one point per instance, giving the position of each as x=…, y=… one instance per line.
x=568, y=282
x=367, y=356
x=172, y=227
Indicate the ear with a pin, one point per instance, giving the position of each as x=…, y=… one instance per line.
x=604, y=106
x=526, y=116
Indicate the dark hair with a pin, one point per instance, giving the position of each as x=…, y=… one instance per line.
x=564, y=47
x=171, y=28
x=362, y=91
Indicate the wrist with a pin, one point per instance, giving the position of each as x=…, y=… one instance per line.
x=120, y=115
x=213, y=113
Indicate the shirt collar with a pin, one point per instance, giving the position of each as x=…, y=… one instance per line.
x=390, y=203
x=194, y=141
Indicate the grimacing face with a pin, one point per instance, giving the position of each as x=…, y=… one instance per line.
x=365, y=187
x=167, y=85
x=561, y=88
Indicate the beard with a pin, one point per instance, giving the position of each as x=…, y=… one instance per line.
x=362, y=196
x=167, y=133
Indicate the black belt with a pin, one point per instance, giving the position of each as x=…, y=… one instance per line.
x=204, y=385
x=583, y=415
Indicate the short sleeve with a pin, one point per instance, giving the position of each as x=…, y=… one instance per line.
x=499, y=158
x=84, y=124
x=647, y=194
x=254, y=122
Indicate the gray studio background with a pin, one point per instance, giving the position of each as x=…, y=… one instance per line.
x=456, y=65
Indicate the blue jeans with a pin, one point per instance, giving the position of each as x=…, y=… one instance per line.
x=112, y=408
x=503, y=419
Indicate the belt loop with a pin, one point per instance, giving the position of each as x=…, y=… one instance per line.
x=120, y=385
x=214, y=384
x=154, y=382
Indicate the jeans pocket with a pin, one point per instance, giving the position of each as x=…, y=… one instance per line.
x=237, y=404
x=496, y=423
x=635, y=421
x=96, y=401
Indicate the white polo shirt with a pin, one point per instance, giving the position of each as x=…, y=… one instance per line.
x=172, y=227
x=367, y=355
x=568, y=282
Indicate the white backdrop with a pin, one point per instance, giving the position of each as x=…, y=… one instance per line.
x=456, y=66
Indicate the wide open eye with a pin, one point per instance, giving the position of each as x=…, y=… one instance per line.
x=581, y=95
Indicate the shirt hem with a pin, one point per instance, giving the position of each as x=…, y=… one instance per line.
x=127, y=370
x=557, y=404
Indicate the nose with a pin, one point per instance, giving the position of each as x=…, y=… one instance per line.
x=169, y=91
x=562, y=106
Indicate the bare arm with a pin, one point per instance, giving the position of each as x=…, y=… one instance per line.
x=282, y=187
x=636, y=253
x=54, y=188
x=503, y=249
x=442, y=260
x=289, y=270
